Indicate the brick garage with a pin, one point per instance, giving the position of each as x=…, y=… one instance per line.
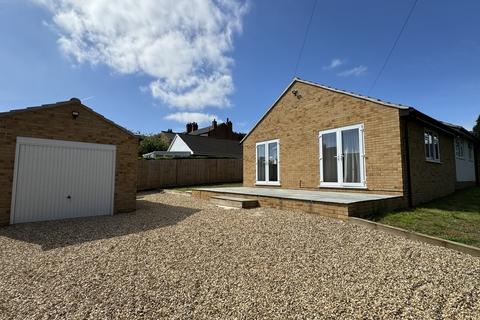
x=393, y=143
x=57, y=122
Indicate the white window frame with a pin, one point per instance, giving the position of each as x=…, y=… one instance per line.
x=267, y=167
x=341, y=184
x=433, y=134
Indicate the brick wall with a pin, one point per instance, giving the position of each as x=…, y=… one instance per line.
x=57, y=123
x=297, y=122
x=430, y=180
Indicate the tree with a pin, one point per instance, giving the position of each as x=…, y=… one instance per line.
x=476, y=128
x=149, y=143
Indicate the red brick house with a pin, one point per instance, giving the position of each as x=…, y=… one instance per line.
x=215, y=130
x=321, y=138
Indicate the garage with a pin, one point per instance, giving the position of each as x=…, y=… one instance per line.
x=56, y=179
x=62, y=161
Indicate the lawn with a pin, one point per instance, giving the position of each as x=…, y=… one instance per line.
x=456, y=217
x=221, y=185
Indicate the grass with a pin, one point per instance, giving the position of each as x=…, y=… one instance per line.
x=221, y=185
x=455, y=217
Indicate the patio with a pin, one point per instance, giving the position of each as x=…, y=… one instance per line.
x=339, y=205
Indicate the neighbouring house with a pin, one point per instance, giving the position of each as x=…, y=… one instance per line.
x=316, y=137
x=64, y=160
x=168, y=135
x=206, y=146
x=217, y=131
x=166, y=154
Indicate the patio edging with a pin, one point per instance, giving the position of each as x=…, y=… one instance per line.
x=412, y=235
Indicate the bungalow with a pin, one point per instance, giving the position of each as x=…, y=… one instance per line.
x=205, y=146
x=316, y=137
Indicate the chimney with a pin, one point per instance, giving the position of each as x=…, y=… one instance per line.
x=214, y=124
x=229, y=125
x=189, y=127
x=194, y=126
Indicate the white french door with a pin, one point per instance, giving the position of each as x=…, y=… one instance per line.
x=342, y=158
x=268, y=162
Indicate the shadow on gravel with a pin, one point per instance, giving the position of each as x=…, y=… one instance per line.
x=61, y=233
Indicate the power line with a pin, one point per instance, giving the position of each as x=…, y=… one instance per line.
x=393, y=47
x=305, y=38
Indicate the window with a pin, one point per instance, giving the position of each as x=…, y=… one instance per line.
x=470, y=151
x=342, y=158
x=459, y=152
x=432, y=146
x=268, y=169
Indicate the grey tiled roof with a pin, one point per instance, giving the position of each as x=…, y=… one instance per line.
x=211, y=147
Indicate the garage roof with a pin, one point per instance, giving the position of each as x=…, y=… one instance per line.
x=72, y=101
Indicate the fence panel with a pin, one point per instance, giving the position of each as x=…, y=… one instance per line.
x=154, y=174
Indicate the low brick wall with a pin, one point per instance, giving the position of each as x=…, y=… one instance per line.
x=331, y=210
x=326, y=209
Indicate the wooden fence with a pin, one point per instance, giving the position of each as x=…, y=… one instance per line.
x=152, y=174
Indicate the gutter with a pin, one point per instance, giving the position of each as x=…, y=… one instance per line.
x=408, y=169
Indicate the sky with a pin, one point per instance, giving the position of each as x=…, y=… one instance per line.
x=154, y=65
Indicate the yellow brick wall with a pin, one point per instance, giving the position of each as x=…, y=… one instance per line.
x=57, y=123
x=297, y=122
x=430, y=180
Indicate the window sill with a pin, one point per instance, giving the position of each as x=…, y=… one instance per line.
x=274, y=184
x=433, y=161
x=343, y=187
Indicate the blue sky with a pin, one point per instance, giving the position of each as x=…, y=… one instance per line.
x=235, y=57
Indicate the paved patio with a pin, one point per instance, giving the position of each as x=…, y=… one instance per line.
x=338, y=205
x=307, y=195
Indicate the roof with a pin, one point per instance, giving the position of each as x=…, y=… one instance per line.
x=201, y=131
x=352, y=94
x=455, y=129
x=72, y=101
x=459, y=130
x=169, y=135
x=204, y=146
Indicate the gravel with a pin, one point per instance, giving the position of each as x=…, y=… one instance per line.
x=179, y=257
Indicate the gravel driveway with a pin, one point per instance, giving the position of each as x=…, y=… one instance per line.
x=179, y=257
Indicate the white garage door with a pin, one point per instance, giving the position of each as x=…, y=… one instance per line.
x=56, y=179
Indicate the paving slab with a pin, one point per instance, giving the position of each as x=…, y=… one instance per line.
x=308, y=195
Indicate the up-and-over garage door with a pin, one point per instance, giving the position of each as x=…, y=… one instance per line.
x=56, y=179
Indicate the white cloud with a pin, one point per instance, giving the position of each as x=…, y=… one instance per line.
x=334, y=63
x=183, y=45
x=357, y=71
x=198, y=117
